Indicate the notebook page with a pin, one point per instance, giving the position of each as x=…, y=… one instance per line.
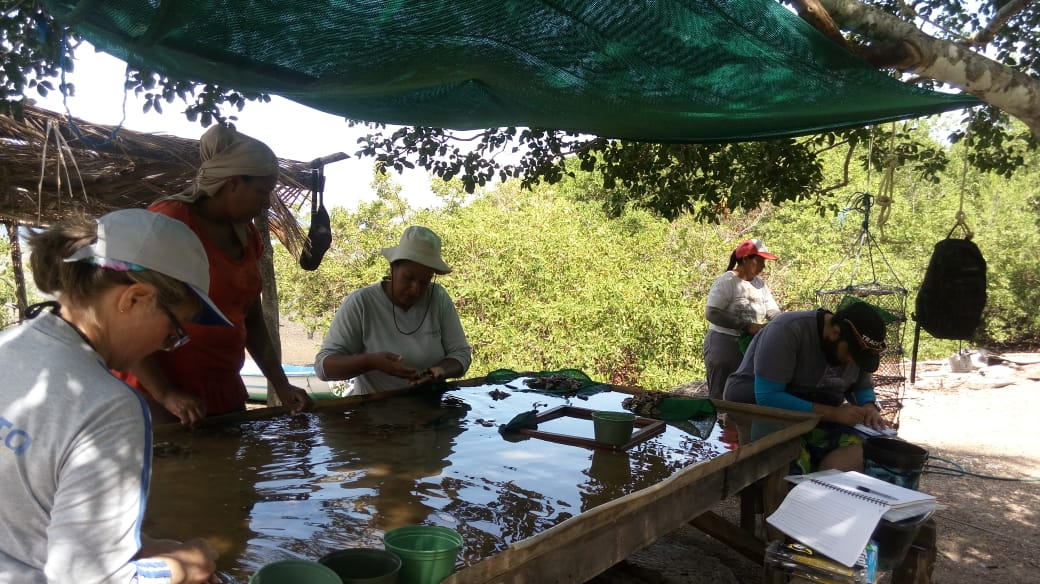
x=870, y=431
x=832, y=521
x=893, y=495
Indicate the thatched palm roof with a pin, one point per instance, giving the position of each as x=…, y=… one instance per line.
x=50, y=169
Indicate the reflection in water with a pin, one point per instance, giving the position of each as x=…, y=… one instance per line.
x=305, y=485
x=610, y=476
x=414, y=438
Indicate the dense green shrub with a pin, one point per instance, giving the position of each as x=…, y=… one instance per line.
x=545, y=280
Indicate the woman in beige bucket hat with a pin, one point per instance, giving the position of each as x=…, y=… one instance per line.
x=403, y=330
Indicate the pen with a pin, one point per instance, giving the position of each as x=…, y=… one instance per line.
x=873, y=492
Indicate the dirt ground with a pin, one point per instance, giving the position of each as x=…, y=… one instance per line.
x=986, y=422
x=979, y=423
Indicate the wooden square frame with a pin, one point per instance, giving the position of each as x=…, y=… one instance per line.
x=645, y=428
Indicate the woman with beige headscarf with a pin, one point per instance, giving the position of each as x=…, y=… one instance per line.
x=233, y=186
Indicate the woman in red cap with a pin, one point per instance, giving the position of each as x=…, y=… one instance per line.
x=739, y=303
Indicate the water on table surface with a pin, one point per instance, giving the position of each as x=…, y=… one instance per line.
x=302, y=486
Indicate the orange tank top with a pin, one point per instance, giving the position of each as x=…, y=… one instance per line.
x=208, y=366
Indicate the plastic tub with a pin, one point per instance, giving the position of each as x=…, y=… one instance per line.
x=427, y=552
x=893, y=460
x=363, y=565
x=894, y=540
x=614, y=428
x=294, y=572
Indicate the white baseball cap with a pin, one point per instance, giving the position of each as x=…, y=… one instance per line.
x=140, y=239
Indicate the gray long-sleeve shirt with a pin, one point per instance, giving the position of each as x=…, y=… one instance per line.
x=368, y=322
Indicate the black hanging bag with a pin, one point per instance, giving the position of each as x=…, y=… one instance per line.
x=952, y=296
x=319, y=236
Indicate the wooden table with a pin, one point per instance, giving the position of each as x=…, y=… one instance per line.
x=579, y=547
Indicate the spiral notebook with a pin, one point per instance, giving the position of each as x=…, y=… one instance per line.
x=836, y=517
x=866, y=430
x=902, y=502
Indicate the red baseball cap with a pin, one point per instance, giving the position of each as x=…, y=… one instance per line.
x=753, y=247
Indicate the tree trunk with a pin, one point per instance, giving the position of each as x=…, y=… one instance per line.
x=1016, y=93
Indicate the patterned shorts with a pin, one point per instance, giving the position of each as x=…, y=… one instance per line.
x=818, y=443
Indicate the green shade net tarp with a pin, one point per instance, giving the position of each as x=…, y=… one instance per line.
x=663, y=71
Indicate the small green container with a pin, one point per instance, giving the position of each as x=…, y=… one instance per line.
x=427, y=552
x=363, y=565
x=613, y=428
x=295, y=572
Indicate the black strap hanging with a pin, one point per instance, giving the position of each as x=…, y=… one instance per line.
x=319, y=236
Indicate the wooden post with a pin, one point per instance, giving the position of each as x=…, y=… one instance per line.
x=269, y=298
x=21, y=298
x=919, y=563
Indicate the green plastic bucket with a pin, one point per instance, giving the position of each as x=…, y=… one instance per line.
x=614, y=428
x=294, y=572
x=427, y=552
x=363, y=565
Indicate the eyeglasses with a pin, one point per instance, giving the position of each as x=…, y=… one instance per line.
x=866, y=343
x=180, y=337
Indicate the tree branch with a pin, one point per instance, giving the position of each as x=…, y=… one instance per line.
x=844, y=182
x=886, y=54
x=1014, y=92
x=812, y=12
x=1003, y=15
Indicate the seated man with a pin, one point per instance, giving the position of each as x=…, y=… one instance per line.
x=819, y=362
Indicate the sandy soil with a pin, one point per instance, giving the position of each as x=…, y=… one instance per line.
x=984, y=421
x=298, y=348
